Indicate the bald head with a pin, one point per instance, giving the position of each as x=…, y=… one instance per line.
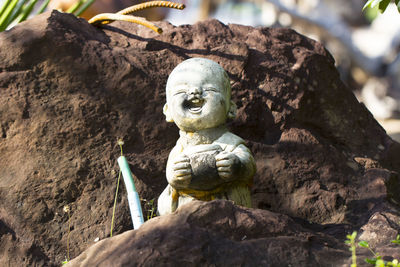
x=209, y=70
x=198, y=95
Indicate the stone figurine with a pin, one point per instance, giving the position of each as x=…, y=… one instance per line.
x=208, y=162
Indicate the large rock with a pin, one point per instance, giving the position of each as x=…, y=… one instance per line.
x=216, y=233
x=70, y=90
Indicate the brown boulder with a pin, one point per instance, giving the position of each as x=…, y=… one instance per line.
x=215, y=233
x=70, y=90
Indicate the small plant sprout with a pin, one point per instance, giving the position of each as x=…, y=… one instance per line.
x=124, y=14
x=65, y=261
x=115, y=204
x=382, y=263
x=120, y=142
x=397, y=240
x=67, y=210
x=351, y=240
x=150, y=207
x=376, y=257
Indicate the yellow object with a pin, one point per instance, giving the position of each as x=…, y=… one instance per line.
x=151, y=4
x=209, y=194
x=108, y=17
x=123, y=15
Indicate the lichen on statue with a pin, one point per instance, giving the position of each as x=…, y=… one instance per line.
x=208, y=162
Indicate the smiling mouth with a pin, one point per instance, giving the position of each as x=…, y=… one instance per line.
x=194, y=105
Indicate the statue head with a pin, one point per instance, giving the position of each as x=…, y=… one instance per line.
x=198, y=95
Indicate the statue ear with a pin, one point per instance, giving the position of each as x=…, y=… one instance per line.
x=232, y=110
x=168, y=117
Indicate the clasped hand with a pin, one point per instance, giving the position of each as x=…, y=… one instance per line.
x=182, y=169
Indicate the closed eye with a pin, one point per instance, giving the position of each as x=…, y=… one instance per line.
x=181, y=91
x=212, y=89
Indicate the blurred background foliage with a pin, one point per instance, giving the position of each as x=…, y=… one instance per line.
x=364, y=42
x=381, y=4
x=13, y=12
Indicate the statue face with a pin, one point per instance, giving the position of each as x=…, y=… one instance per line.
x=196, y=95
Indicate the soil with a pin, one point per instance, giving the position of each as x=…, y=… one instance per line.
x=325, y=167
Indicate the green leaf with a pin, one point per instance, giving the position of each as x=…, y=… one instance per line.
x=353, y=235
x=42, y=8
x=26, y=11
x=84, y=6
x=7, y=13
x=75, y=6
x=376, y=2
x=17, y=10
x=396, y=242
x=4, y=7
x=383, y=5
x=363, y=244
x=380, y=263
x=371, y=261
x=371, y=3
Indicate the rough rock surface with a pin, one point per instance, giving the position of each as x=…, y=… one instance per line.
x=69, y=91
x=219, y=234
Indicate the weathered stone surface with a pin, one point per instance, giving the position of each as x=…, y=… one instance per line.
x=216, y=233
x=70, y=90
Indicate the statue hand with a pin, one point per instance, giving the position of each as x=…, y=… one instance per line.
x=227, y=165
x=182, y=172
